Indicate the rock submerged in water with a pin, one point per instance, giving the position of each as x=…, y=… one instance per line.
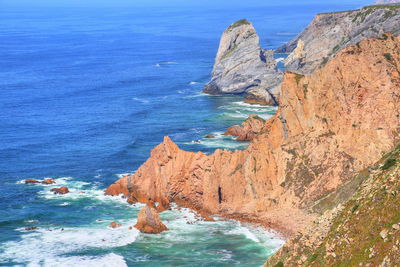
x=48, y=181
x=114, y=225
x=242, y=66
x=149, y=221
x=209, y=136
x=61, y=190
x=31, y=181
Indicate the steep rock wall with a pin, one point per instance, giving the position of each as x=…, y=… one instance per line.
x=241, y=66
x=329, y=126
x=329, y=33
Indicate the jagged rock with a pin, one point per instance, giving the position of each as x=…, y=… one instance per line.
x=31, y=181
x=114, y=225
x=312, y=146
x=329, y=33
x=241, y=66
x=250, y=128
x=31, y=228
x=209, y=136
x=61, y=190
x=48, y=181
x=149, y=221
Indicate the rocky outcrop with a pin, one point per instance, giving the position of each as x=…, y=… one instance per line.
x=329, y=33
x=329, y=125
x=365, y=231
x=31, y=181
x=249, y=129
x=241, y=66
x=149, y=221
x=60, y=191
x=48, y=181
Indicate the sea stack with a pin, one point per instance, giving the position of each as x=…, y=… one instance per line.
x=149, y=221
x=242, y=66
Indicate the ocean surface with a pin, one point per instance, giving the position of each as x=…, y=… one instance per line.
x=86, y=93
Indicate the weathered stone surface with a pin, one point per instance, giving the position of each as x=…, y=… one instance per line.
x=32, y=181
x=114, y=225
x=250, y=128
x=241, y=66
x=61, y=190
x=149, y=221
x=329, y=125
x=48, y=181
x=329, y=33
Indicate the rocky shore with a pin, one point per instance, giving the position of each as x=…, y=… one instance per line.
x=329, y=126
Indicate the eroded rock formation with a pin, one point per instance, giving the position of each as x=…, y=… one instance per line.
x=329, y=125
x=149, y=221
x=241, y=66
x=329, y=33
x=249, y=129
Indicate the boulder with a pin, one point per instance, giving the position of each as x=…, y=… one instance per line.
x=48, y=181
x=209, y=136
x=31, y=181
x=149, y=221
x=114, y=225
x=61, y=190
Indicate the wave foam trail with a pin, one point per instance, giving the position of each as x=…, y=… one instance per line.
x=109, y=260
x=48, y=245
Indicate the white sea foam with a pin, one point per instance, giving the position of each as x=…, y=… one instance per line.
x=51, y=243
x=144, y=101
x=193, y=83
x=159, y=64
x=58, y=181
x=280, y=59
x=219, y=141
x=109, y=260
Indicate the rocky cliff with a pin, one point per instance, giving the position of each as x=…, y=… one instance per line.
x=329, y=125
x=364, y=231
x=241, y=66
x=329, y=33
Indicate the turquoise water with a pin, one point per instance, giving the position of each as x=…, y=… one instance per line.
x=86, y=93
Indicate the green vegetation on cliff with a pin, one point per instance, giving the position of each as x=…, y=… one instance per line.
x=238, y=23
x=365, y=231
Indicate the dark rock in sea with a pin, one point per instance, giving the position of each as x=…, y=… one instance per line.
x=48, y=181
x=31, y=228
x=114, y=225
x=209, y=136
x=61, y=190
x=31, y=181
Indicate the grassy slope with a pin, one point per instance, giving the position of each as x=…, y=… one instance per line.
x=365, y=230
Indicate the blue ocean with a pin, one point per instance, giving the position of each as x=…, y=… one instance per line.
x=86, y=91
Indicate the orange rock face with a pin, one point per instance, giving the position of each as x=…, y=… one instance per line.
x=329, y=125
x=48, y=181
x=61, y=190
x=114, y=225
x=249, y=130
x=149, y=221
x=31, y=181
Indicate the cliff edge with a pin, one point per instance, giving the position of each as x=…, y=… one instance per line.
x=329, y=126
x=329, y=33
